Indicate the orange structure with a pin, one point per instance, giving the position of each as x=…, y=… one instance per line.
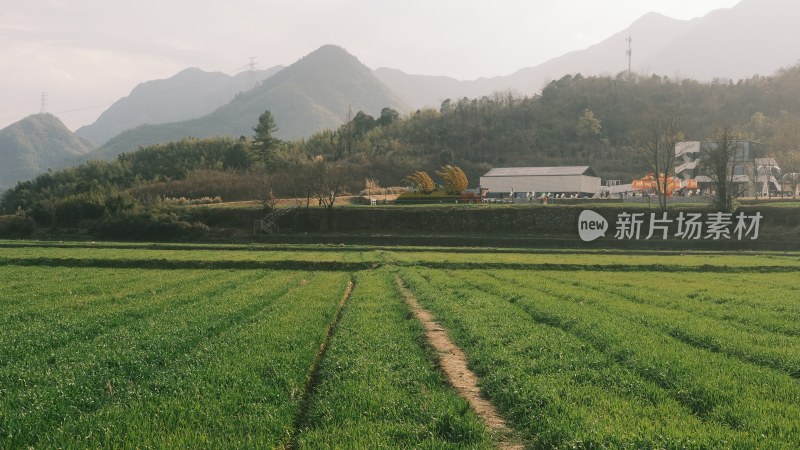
x=649, y=183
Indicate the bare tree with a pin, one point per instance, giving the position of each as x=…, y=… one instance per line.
x=719, y=160
x=786, y=145
x=329, y=182
x=657, y=139
x=266, y=188
x=300, y=184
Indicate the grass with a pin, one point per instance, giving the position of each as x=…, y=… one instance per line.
x=170, y=359
x=379, y=388
x=197, y=345
x=571, y=354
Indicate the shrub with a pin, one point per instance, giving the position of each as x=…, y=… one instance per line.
x=17, y=226
x=148, y=226
x=182, y=201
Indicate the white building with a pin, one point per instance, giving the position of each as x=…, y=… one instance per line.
x=555, y=180
x=752, y=174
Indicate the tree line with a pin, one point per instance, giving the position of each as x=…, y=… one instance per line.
x=575, y=120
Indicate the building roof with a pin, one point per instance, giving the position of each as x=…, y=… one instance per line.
x=540, y=171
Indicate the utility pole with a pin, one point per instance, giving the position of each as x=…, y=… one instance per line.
x=43, y=108
x=629, y=53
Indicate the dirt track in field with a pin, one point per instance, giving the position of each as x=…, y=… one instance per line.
x=454, y=365
x=312, y=380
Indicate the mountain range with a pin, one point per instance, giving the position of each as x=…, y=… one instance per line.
x=189, y=94
x=313, y=94
x=755, y=37
x=318, y=91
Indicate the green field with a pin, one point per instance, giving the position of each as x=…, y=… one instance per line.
x=165, y=346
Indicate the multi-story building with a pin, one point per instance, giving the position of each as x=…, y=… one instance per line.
x=753, y=173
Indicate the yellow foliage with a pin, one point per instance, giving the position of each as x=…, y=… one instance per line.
x=453, y=178
x=422, y=181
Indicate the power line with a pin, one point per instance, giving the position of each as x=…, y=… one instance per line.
x=45, y=95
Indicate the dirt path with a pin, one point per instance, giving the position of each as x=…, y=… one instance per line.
x=454, y=365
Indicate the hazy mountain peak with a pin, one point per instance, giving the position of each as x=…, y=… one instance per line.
x=313, y=94
x=652, y=17
x=35, y=144
x=188, y=94
x=329, y=52
x=752, y=37
x=327, y=57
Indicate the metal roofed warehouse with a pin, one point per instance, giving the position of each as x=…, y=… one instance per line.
x=565, y=179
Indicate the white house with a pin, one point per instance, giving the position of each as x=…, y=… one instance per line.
x=563, y=180
x=753, y=174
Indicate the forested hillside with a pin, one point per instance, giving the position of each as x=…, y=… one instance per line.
x=574, y=121
x=312, y=94
x=36, y=144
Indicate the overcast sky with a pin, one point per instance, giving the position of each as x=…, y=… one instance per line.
x=86, y=54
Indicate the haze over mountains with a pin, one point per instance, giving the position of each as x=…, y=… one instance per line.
x=317, y=91
x=312, y=94
x=753, y=37
x=189, y=94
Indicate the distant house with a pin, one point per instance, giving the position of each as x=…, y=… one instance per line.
x=553, y=180
x=753, y=173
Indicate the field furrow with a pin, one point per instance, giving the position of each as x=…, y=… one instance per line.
x=89, y=375
x=239, y=387
x=763, y=348
x=135, y=345
x=84, y=316
x=380, y=387
x=556, y=388
x=713, y=386
x=763, y=302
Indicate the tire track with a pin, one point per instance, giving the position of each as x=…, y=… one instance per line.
x=313, y=380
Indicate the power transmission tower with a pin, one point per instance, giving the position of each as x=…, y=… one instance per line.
x=629, y=52
x=251, y=68
x=43, y=108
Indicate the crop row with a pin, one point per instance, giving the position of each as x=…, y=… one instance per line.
x=196, y=254
x=122, y=255
x=379, y=387
x=198, y=359
x=572, y=368
x=720, y=333
x=190, y=358
x=139, y=356
x=751, y=301
x=610, y=261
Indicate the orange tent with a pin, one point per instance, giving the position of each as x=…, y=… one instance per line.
x=649, y=183
x=645, y=183
x=673, y=184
